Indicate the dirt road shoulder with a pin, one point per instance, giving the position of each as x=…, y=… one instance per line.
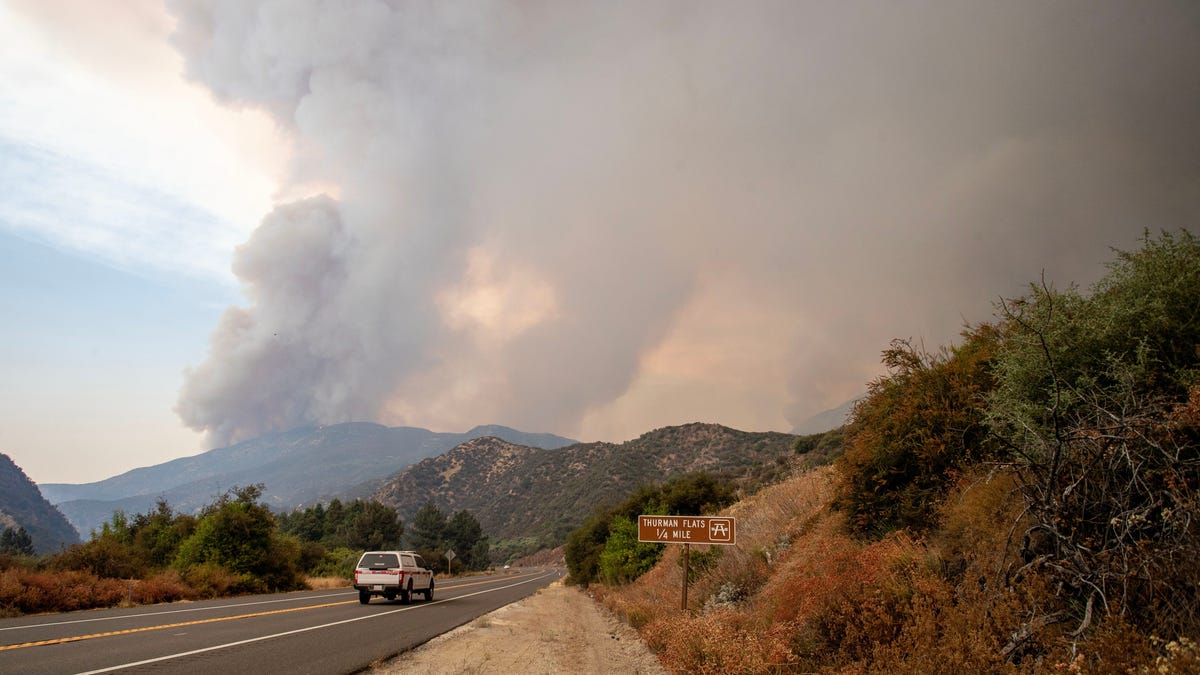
x=556, y=630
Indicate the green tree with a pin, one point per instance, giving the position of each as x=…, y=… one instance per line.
x=238, y=534
x=374, y=526
x=584, y=546
x=465, y=535
x=306, y=525
x=16, y=541
x=156, y=535
x=427, y=532
x=332, y=523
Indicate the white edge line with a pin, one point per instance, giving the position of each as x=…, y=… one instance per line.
x=305, y=630
x=171, y=611
x=126, y=617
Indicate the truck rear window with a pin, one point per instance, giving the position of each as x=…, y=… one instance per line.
x=380, y=561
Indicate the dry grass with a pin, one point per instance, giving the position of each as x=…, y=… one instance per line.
x=799, y=594
x=324, y=583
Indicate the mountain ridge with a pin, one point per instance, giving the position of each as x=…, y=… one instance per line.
x=23, y=505
x=520, y=492
x=298, y=467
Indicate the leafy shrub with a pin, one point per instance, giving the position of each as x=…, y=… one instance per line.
x=105, y=556
x=336, y=563
x=624, y=558
x=1096, y=403
x=916, y=427
x=238, y=534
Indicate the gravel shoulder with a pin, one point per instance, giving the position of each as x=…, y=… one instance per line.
x=556, y=630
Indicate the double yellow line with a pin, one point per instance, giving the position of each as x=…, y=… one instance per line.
x=130, y=631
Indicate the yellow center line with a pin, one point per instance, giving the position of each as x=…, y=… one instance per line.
x=130, y=631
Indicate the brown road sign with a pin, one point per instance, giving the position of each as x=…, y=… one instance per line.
x=687, y=529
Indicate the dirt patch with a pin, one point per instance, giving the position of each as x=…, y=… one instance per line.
x=555, y=630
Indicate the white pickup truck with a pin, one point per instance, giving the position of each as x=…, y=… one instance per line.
x=392, y=574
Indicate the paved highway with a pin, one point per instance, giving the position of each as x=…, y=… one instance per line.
x=307, y=632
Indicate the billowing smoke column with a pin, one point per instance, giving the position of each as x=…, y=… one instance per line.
x=596, y=218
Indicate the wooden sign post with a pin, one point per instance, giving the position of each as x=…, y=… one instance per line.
x=687, y=530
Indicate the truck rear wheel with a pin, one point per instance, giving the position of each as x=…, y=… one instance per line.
x=406, y=594
x=364, y=597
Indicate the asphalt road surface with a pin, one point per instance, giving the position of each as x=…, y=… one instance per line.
x=306, y=632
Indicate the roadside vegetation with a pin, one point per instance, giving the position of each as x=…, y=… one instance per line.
x=1024, y=501
x=606, y=547
x=233, y=546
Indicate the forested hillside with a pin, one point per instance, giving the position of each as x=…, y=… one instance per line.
x=537, y=496
x=297, y=467
x=23, y=509
x=1024, y=501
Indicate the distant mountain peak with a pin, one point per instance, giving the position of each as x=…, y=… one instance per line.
x=298, y=467
x=826, y=419
x=520, y=492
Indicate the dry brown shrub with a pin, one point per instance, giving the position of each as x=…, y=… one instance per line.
x=163, y=587
x=768, y=524
x=846, y=598
x=212, y=581
x=1178, y=657
x=721, y=641
x=11, y=590
x=965, y=627
x=27, y=591
x=978, y=520
x=654, y=594
x=798, y=594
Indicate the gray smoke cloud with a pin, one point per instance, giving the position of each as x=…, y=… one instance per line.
x=585, y=217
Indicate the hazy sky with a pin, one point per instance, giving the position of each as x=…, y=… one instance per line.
x=219, y=219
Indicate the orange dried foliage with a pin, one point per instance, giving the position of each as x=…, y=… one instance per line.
x=27, y=592
x=722, y=641
x=978, y=520
x=846, y=598
x=165, y=587
x=812, y=598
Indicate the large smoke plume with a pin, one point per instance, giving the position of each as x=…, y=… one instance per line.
x=594, y=218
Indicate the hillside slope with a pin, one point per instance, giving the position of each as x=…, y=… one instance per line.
x=297, y=467
x=519, y=491
x=22, y=505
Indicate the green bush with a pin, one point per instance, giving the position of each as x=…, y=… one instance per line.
x=1098, y=406
x=606, y=545
x=918, y=425
x=336, y=563
x=238, y=534
x=624, y=558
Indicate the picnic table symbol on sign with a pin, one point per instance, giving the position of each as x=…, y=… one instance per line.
x=718, y=529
